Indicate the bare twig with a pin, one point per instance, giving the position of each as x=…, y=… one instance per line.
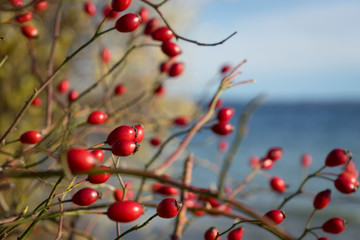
x=177, y=36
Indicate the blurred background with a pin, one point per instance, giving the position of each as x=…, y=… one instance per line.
x=304, y=56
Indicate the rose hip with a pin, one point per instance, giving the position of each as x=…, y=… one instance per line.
x=127, y=23
x=222, y=128
x=236, y=234
x=120, y=89
x=275, y=153
x=322, y=199
x=120, y=5
x=90, y=8
x=97, y=117
x=278, y=184
x=176, y=69
x=25, y=17
x=41, y=6
x=123, y=148
x=151, y=25
x=162, y=34
x=168, y=208
x=334, y=225
x=31, y=137
x=276, y=216
x=105, y=55
x=29, y=31
x=211, y=234
x=144, y=14
x=225, y=114
x=123, y=132
x=80, y=159
x=171, y=49
x=99, y=177
x=63, y=86
x=85, y=197
x=337, y=157
x=139, y=133
x=125, y=211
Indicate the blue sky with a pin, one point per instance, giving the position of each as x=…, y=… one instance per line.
x=296, y=50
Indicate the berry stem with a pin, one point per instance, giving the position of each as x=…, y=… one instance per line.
x=116, y=165
x=306, y=229
x=136, y=227
x=299, y=191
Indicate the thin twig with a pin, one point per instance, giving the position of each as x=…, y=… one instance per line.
x=177, y=36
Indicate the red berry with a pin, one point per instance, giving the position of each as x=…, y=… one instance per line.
x=99, y=177
x=155, y=141
x=165, y=67
x=167, y=190
x=125, y=211
x=223, y=146
x=345, y=185
x=63, y=86
x=336, y=157
x=334, y=225
x=218, y=104
x=351, y=168
x=276, y=216
x=156, y=186
x=72, y=96
x=120, y=5
x=322, y=199
x=107, y=9
x=144, y=14
x=162, y=34
x=266, y=163
x=105, y=55
x=120, y=89
x=98, y=154
x=29, y=31
x=176, y=69
x=37, y=102
x=254, y=161
x=25, y=17
x=306, y=160
x=160, y=91
x=124, y=148
x=275, y=153
x=222, y=128
x=80, y=159
x=17, y=3
x=236, y=234
x=127, y=23
x=198, y=213
x=349, y=176
x=41, y=6
x=182, y=121
x=226, y=68
x=97, y=117
x=118, y=195
x=225, y=114
x=85, y=197
x=278, y=184
x=90, y=8
x=139, y=133
x=168, y=208
x=323, y=238
x=211, y=234
x=31, y=137
x=151, y=26
x=171, y=49
x=123, y=132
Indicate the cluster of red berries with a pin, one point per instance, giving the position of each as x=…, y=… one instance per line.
x=223, y=126
x=26, y=15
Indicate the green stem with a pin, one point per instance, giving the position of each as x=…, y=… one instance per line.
x=299, y=191
x=37, y=219
x=137, y=227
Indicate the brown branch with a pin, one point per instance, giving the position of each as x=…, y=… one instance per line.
x=181, y=219
x=50, y=87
